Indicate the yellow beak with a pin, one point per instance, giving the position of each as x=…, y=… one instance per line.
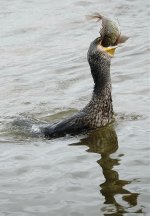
x=110, y=50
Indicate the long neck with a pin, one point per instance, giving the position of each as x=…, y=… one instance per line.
x=102, y=90
x=101, y=75
x=102, y=101
x=100, y=106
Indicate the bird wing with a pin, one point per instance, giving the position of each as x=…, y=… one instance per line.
x=73, y=125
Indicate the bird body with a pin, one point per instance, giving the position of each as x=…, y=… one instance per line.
x=99, y=111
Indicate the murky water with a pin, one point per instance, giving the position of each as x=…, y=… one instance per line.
x=44, y=76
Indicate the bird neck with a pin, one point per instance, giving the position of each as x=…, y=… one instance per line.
x=101, y=105
x=100, y=108
x=103, y=97
x=101, y=77
x=102, y=91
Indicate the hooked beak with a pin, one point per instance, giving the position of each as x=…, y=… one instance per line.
x=110, y=50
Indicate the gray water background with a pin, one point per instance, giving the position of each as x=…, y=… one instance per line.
x=44, y=76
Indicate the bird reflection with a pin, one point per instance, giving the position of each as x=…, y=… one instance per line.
x=104, y=142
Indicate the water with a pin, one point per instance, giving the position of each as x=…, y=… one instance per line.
x=44, y=76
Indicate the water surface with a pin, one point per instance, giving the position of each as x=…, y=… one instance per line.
x=44, y=76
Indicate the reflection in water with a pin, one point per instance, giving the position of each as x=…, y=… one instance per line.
x=104, y=142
